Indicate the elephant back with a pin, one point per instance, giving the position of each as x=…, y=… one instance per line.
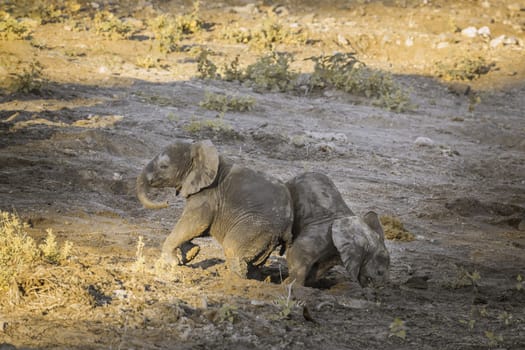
x=315, y=199
x=248, y=195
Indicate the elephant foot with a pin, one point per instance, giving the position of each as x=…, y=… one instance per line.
x=238, y=266
x=187, y=252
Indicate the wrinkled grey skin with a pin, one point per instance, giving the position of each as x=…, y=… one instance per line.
x=247, y=212
x=326, y=233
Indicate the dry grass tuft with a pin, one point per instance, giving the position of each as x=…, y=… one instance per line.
x=395, y=230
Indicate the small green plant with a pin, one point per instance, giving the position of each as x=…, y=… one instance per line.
x=398, y=329
x=224, y=103
x=205, y=67
x=286, y=304
x=471, y=323
x=272, y=73
x=111, y=27
x=226, y=313
x=140, y=261
x=217, y=125
x=465, y=278
x=464, y=69
x=167, y=34
x=170, y=30
x=51, y=252
x=232, y=71
x=506, y=318
x=519, y=282
x=146, y=62
x=11, y=29
x=271, y=33
x=493, y=338
x=30, y=80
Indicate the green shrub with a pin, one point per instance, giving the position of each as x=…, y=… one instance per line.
x=271, y=33
x=343, y=71
x=11, y=29
x=109, y=26
x=272, y=73
x=169, y=30
x=224, y=103
x=205, y=67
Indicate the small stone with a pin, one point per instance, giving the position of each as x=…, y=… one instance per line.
x=422, y=141
x=484, y=31
x=459, y=89
x=409, y=42
x=510, y=41
x=470, y=32
x=497, y=41
x=341, y=40
x=442, y=45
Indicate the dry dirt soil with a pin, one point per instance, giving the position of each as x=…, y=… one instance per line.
x=70, y=153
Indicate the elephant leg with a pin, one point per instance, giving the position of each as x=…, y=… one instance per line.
x=245, y=250
x=312, y=244
x=194, y=221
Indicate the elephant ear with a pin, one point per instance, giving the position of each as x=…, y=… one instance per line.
x=204, y=167
x=351, y=243
x=372, y=219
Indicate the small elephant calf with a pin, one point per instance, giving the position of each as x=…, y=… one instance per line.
x=326, y=233
x=249, y=213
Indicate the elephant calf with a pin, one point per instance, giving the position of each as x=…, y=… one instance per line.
x=247, y=212
x=326, y=232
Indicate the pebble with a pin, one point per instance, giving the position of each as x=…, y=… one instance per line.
x=497, y=41
x=409, y=42
x=510, y=41
x=484, y=31
x=470, y=32
x=442, y=45
x=422, y=141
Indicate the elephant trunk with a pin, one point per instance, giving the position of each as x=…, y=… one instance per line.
x=143, y=186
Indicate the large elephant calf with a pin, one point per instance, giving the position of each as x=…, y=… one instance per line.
x=326, y=232
x=247, y=212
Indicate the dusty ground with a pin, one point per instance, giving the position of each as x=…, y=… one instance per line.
x=69, y=156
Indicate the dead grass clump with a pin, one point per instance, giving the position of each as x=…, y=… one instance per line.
x=395, y=230
x=19, y=254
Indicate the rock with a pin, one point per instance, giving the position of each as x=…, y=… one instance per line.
x=521, y=225
x=442, y=45
x=470, y=32
x=417, y=282
x=459, y=89
x=409, y=42
x=484, y=31
x=341, y=40
x=510, y=41
x=422, y=141
x=497, y=41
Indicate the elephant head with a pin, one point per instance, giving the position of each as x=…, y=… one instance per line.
x=361, y=246
x=187, y=167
